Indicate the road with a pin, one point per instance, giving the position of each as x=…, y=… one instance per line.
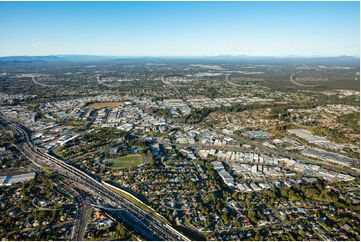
x=97, y=192
x=42, y=84
x=300, y=84
x=237, y=85
x=82, y=214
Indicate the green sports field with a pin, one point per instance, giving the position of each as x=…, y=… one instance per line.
x=126, y=161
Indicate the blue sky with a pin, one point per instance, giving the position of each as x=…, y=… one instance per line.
x=180, y=28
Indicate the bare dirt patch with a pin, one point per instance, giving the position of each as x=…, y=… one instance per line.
x=101, y=105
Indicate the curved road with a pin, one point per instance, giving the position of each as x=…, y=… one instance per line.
x=42, y=84
x=300, y=84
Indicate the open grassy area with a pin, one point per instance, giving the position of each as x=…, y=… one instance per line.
x=126, y=161
x=100, y=105
x=77, y=123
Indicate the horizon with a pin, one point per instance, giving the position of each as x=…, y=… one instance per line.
x=184, y=56
x=180, y=29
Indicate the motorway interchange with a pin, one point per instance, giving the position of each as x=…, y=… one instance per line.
x=149, y=226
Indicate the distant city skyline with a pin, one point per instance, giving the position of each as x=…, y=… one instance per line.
x=180, y=28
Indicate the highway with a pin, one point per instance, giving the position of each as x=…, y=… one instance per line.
x=300, y=84
x=95, y=188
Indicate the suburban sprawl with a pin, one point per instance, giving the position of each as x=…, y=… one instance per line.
x=180, y=149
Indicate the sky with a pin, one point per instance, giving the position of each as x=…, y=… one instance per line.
x=180, y=28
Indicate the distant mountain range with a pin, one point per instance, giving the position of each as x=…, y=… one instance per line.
x=95, y=58
x=55, y=58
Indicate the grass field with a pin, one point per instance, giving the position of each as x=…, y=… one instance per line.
x=100, y=105
x=126, y=161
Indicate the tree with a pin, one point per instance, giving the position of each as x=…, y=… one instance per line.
x=150, y=157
